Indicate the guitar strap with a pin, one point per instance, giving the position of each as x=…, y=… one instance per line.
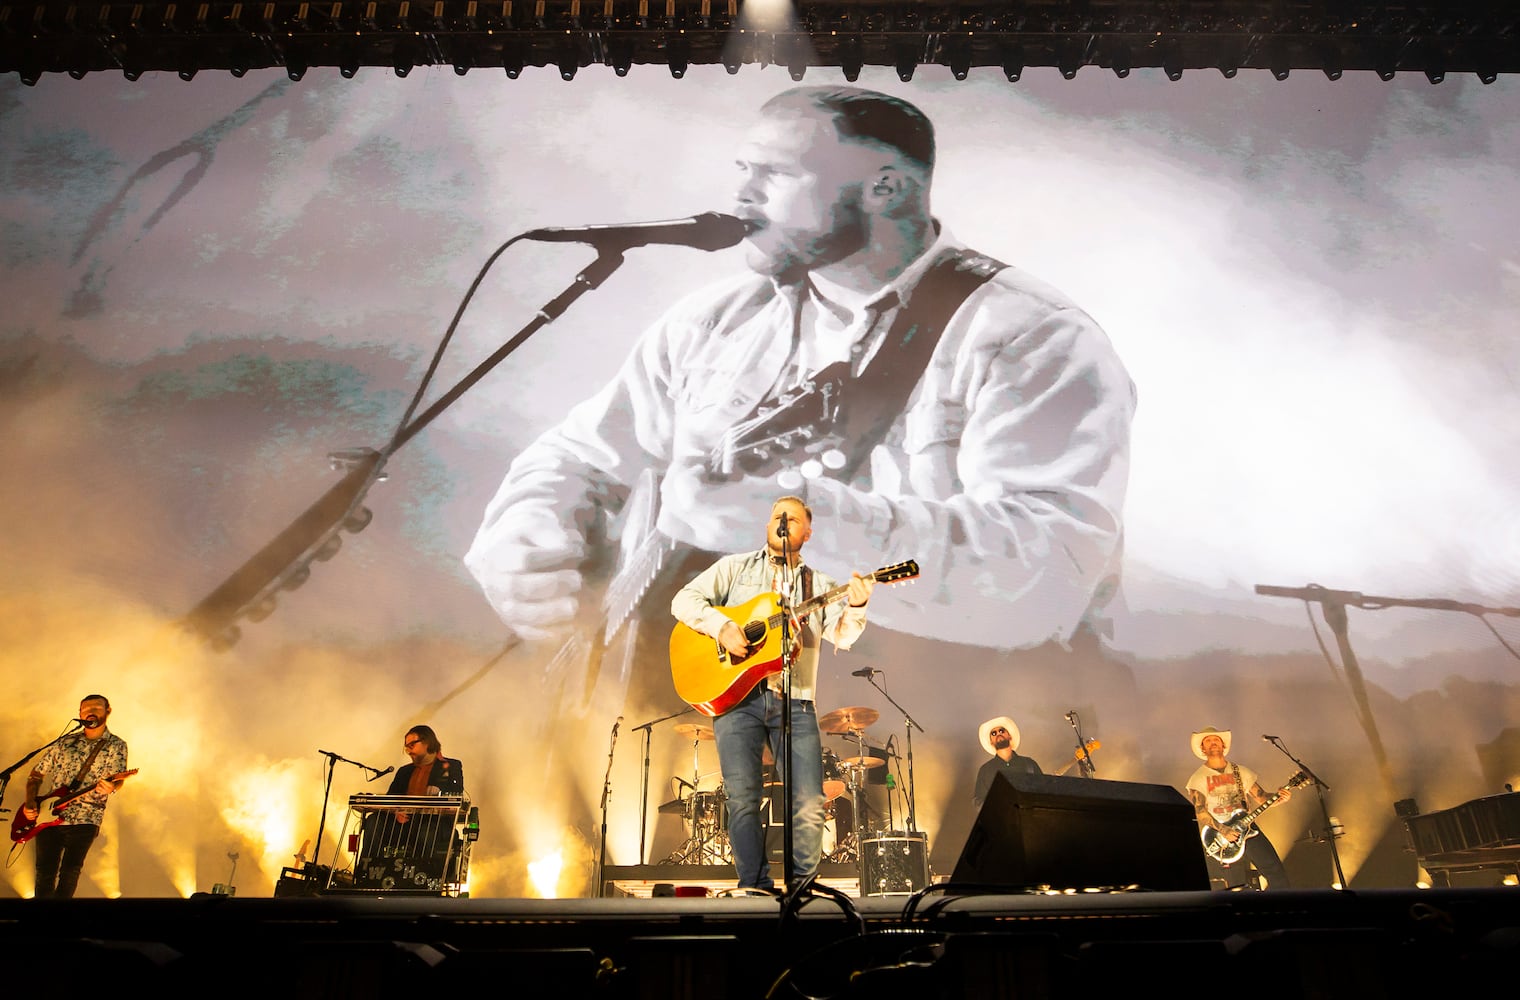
x=1245, y=802
x=85, y=767
x=809, y=640
x=870, y=403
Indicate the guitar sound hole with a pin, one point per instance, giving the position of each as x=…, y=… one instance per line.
x=754, y=632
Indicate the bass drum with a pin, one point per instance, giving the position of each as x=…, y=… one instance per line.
x=896, y=864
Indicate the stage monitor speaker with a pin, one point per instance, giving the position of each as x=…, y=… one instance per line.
x=1041, y=830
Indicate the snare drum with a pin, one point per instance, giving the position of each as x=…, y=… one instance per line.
x=707, y=811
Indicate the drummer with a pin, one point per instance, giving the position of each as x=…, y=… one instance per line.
x=1000, y=737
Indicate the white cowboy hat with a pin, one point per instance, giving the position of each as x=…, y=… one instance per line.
x=1197, y=741
x=990, y=725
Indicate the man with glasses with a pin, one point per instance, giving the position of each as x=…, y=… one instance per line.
x=1000, y=737
x=430, y=772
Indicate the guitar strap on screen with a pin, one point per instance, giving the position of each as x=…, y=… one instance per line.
x=873, y=401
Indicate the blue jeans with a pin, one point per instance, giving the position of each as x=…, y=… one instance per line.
x=742, y=734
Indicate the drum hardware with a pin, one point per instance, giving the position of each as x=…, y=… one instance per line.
x=846, y=721
x=705, y=812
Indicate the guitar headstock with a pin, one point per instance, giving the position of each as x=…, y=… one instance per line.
x=897, y=572
x=1299, y=780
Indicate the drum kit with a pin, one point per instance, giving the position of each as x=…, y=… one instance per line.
x=853, y=813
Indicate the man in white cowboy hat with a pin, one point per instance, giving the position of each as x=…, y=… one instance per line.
x=1000, y=737
x=1221, y=791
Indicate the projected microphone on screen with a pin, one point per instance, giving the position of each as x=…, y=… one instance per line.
x=708, y=231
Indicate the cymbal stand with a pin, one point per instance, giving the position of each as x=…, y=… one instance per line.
x=910, y=724
x=707, y=840
x=648, y=729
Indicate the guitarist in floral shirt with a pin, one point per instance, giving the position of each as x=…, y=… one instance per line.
x=1221, y=791
x=92, y=756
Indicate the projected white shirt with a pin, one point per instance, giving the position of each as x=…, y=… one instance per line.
x=1004, y=475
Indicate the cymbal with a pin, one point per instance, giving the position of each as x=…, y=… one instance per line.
x=692, y=730
x=862, y=762
x=847, y=720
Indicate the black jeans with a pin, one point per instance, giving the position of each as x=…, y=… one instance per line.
x=60, y=857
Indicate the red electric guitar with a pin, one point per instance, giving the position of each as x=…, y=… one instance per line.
x=50, y=808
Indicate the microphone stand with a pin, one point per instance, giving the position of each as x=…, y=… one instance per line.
x=1324, y=810
x=912, y=724
x=5, y=775
x=601, y=853
x=788, y=582
x=213, y=617
x=648, y=729
x=332, y=763
x=1084, y=759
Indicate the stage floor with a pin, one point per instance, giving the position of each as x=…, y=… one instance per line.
x=1319, y=943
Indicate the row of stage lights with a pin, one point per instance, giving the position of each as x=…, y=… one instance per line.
x=850, y=60
x=187, y=38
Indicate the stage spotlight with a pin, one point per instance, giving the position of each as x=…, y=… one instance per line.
x=238, y=71
x=678, y=56
x=461, y=65
x=907, y=62
x=620, y=54
x=960, y=60
x=132, y=73
x=1171, y=60
x=1487, y=74
x=295, y=68
x=30, y=75
x=187, y=72
x=851, y=58
x=1277, y=60
x=1120, y=62
x=78, y=73
x=1013, y=64
x=797, y=68
x=1228, y=72
x=402, y=67
x=348, y=68
x=1331, y=58
x=1435, y=74
x=1070, y=57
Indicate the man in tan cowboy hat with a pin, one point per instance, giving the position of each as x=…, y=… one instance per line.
x=1222, y=792
x=1000, y=737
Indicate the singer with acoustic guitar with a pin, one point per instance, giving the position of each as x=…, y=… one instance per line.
x=82, y=769
x=743, y=732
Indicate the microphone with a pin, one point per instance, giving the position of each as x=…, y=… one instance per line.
x=1270, y=739
x=1069, y=715
x=863, y=672
x=708, y=231
x=81, y=722
x=381, y=774
x=782, y=530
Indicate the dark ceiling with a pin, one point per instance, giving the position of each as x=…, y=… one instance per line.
x=1431, y=37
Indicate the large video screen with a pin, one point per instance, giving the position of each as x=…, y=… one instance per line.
x=304, y=449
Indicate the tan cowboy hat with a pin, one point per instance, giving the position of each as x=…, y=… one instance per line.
x=1197, y=741
x=990, y=725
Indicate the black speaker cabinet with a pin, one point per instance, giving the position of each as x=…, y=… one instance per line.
x=1039, y=830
